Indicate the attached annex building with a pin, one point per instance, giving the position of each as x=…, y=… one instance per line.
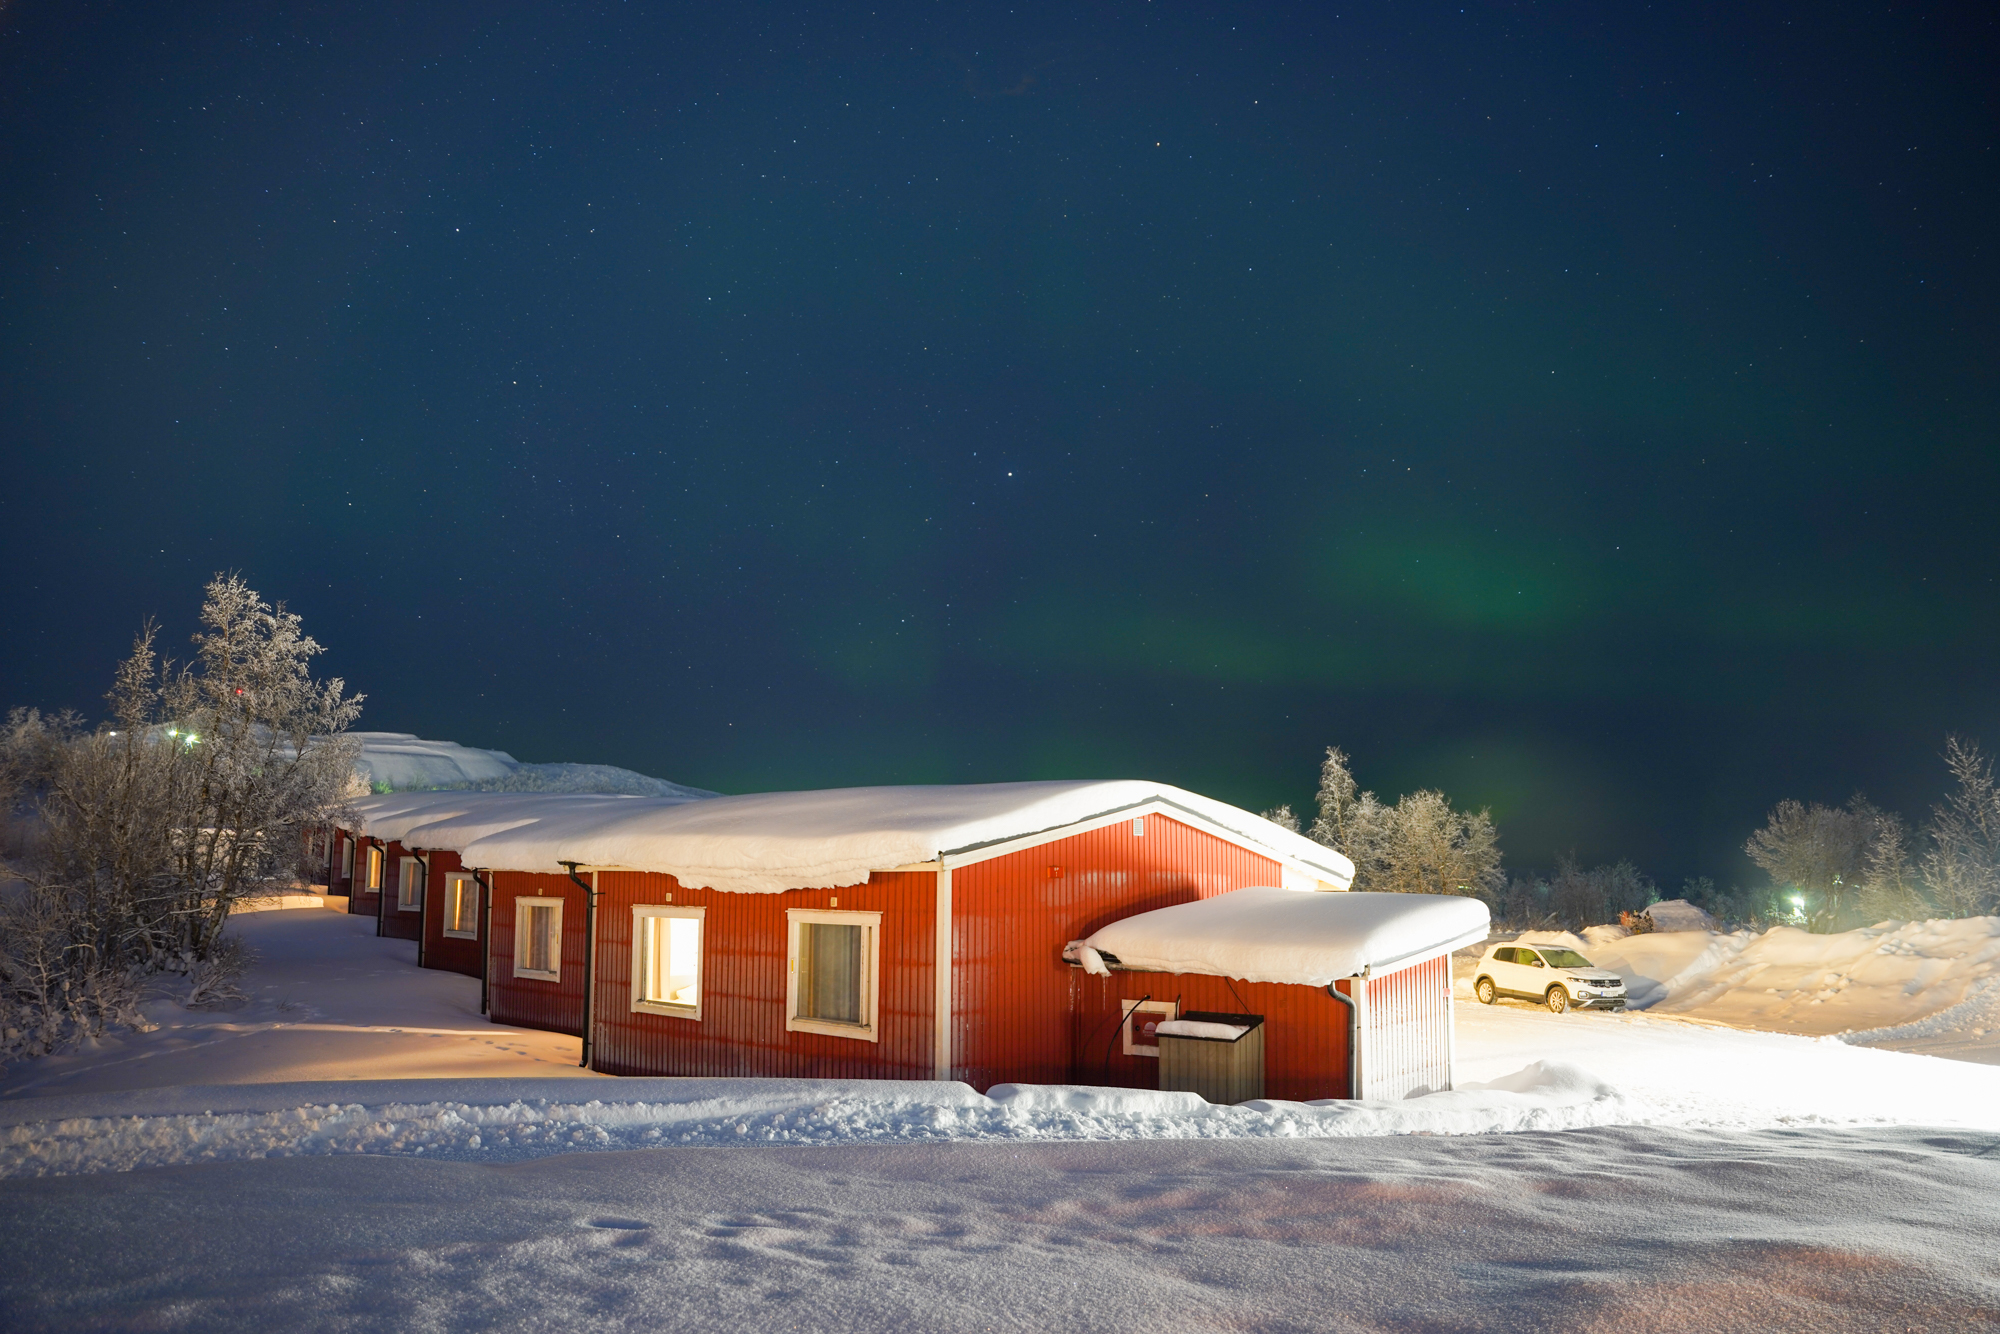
x=801, y=934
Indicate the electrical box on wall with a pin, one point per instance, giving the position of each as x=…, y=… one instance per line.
x=1142, y=1017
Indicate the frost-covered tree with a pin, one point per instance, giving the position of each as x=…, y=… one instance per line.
x=1580, y=898
x=150, y=829
x=1962, y=861
x=1282, y=816
x=1830, y=856
x=1421, y=845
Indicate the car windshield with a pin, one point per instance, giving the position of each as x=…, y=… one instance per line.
x=1565, y=959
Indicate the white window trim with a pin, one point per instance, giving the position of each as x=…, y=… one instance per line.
x=410, y=885
x=457, y=883
x=871, y=986
x=346, y=858
x=640, y=1005
x=521, y=916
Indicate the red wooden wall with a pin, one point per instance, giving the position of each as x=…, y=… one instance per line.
x=1011, y=991
x=396, y=923
x=365, y=902
x=744, y=944
x=451, y=953
x=531, y=1002
x=1305, y=1030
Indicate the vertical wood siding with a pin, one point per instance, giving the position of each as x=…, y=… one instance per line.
x=529, y=1001
x=397, y=924
x=453, y=954
x=363, y=902
x=336, y=883
x=1305, y=1030
x=1012, y=1003
x=744, y=943
x=1406, y=1041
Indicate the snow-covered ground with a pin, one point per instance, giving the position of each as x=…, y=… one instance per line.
x=1932, y=987
x=1662, y=1170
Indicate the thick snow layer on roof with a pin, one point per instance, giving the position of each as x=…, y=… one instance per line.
x=454, y=821
x=403, y=760
x=769, y=842
x=1277, y=935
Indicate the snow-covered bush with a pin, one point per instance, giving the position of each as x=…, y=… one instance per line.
x=148, y=830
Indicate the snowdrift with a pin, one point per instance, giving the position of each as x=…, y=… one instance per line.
x=1862, y=984
x=404, y=762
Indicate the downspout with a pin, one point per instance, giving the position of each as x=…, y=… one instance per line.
x=381, y=893
x=485, y=938
x=1354, y=1084
x=589, y=952
x=423, y=904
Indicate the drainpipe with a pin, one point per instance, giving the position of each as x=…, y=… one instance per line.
x=423, y=904
x=381, y=892
x=485, y=937
x=589, y=953
x=1354, y=1085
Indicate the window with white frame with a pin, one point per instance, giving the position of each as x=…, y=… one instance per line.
x=538, y=938
x=461, y=905
x=374, y=870
x=346, y=857
x=833, y=979
x=666, y=960
x=410, y=885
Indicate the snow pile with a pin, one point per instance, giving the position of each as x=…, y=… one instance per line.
x=404, y=762
x=769, y=842
x=1880, y=978
x=1274, y=935
x=492, y=1122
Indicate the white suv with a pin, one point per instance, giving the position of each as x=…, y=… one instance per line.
x=1557, y=977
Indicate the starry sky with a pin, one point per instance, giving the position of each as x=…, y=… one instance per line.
x=1588, y=410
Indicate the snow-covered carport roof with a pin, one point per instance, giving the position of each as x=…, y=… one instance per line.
x=1265, y=934
x=768, y=842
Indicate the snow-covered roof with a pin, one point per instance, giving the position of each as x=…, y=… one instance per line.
x=769, y=842
x=1265, y=934
x=403, y=759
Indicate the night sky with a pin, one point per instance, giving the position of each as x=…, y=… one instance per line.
x=1585, y=409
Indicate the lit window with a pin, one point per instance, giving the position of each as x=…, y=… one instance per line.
x=538, y=938
x=666, y=961
x=832, y=982
x=346, y=858
x=410, y=885
x=461, y=905
x=374, y=870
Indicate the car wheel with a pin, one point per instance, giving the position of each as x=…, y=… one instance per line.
x=1483, y=989
x=1558, y=1000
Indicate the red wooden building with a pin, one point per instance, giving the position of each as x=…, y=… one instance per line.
x=800, y=934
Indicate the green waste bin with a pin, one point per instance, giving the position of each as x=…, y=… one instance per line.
x=1219, y=1056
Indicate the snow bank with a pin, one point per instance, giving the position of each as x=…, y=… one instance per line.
x=506, y=1120
x=1881, y=978
x=774, y=841
x=1274, y=935
x=1679, y=915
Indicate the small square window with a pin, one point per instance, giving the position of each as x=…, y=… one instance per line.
x=410, y=885
x=461, y=905
x=833, y=978
x=666, y=960
x=538, y=939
